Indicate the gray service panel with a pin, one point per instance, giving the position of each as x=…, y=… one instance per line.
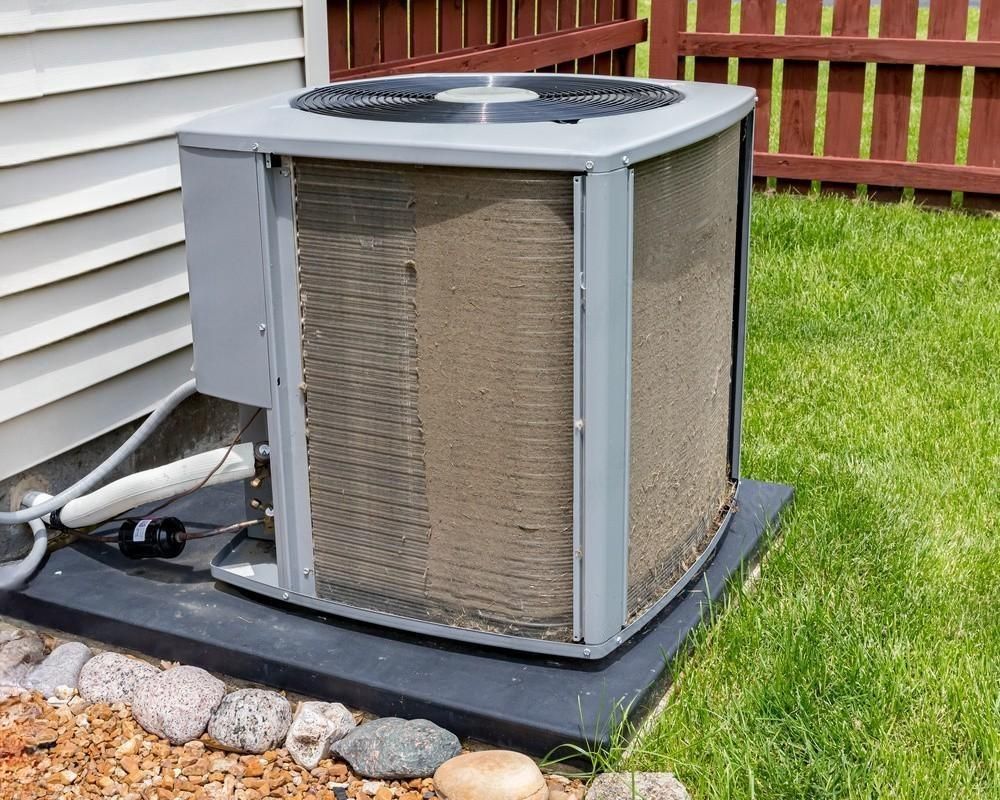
x=226, y=275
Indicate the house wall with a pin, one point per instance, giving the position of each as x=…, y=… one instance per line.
x=94, y=325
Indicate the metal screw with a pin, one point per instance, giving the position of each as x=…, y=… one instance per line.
x=578, y=424
x=589, y=165
x=618, y=640
x=284, y=595
x=255, y=503
x=586, y=652
x=264, y=450
x=261, y=328
x=306, y=571
x=255, y=147
x=626, y=161
x=285, y=173
x=269, y=511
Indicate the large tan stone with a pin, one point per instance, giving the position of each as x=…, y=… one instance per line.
x=490, y=775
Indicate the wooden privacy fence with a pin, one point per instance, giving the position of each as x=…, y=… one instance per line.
x=895, y=51
x=385, y=37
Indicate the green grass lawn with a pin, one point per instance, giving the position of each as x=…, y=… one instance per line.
x=865, y=662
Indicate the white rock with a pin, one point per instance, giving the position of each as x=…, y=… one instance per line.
x=61, y=668
x=490, y=775
x=314, y=729
x=177, y=703
x=113, y=678
x=627, y=785
x=251, y=720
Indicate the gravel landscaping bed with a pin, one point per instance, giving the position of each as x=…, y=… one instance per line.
x=77, y=723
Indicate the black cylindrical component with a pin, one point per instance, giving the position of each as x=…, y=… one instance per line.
x=151, y=538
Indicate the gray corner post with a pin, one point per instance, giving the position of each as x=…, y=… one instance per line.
x=602, y=431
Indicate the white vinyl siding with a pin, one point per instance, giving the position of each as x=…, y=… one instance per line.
x=94, y=323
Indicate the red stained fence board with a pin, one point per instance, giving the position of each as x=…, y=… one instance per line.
x=450, y=25
x=366, y=32
x=798, y=88
x=758, y=16
x=476, y=22
x=942, y=87
x=567, y=21
x=423, y=27
x=893, y=89
x=587, y=16
x=336, y=31
x=667, y=23
x=605, y=12
x=395, y=40
x=845, y=91
x=984, y=133
x=712, y=16
x=524, y=18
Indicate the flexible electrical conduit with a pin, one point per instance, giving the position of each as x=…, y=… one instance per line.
x=88, y=482
x=13, y=575
x=156, y=484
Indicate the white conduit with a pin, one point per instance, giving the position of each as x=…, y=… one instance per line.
x=15, y=574
x=159, y=483
x=41, y=508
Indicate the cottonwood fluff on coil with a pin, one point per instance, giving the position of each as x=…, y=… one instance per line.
x=437, y=338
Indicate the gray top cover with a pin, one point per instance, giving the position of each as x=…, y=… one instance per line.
x=597, y=143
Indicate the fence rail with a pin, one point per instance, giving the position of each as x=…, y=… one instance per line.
x=837, y=162
x=387, y=37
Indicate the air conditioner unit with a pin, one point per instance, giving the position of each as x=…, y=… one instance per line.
x=496, y=323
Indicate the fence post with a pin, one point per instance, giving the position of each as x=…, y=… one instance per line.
x=667, y=18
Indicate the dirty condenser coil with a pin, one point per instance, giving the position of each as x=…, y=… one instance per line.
x=496, y=322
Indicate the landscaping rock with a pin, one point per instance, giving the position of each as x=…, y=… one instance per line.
x=250, y=720
x=18, y=656
x=113, y=678
x=60, y=668
x=177, y=703
x=490, y=775
x=11, y=691
x=9, y=635
x=628, y=785
x=393, y=748
x=315, y=728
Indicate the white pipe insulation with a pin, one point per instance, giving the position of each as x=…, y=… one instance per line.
x=155, y=484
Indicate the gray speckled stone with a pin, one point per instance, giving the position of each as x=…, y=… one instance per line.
x=177, y=703
x=627, y=785
x=315, y=728
x=395, y=749
x=113, y=678
x=60, y=668
x=251, y=720
x=19, y=656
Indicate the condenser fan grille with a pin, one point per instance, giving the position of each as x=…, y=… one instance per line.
x=486, y=98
